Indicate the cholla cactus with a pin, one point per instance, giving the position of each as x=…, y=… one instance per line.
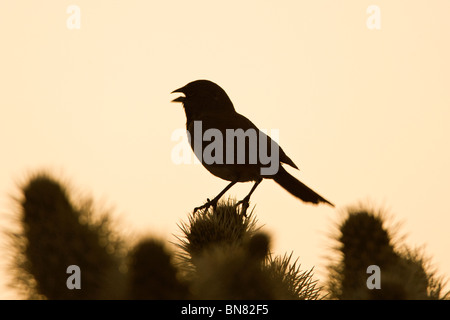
x=56, y=234
x=222, y=254
x=364, y=240
x=152, y=275
x=225, y=226
x=229, y=258
x=292, y=282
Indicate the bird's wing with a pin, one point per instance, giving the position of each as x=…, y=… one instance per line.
x=283, y=156
x=237, y=121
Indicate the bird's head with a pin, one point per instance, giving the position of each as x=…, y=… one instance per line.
x=203, y=96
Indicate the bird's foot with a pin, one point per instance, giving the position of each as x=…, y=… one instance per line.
x=245, y=204
x=209, y=203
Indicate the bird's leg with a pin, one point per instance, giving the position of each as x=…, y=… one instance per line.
x=214, y=201
x=246, y=200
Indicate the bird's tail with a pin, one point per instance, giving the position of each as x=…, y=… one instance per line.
x=298, y=189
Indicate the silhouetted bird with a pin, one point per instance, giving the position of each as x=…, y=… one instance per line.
x=207, y=106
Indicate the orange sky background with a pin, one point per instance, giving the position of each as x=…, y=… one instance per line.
x=364, y=113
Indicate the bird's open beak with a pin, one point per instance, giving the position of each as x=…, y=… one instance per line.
x=180, y=98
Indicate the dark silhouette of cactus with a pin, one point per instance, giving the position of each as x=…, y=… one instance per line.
x=229, y=258
x=221, y=254
x=363, y=241
x=293, y=282
x=225, y=226
x=152, y=274
x=56, y=234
